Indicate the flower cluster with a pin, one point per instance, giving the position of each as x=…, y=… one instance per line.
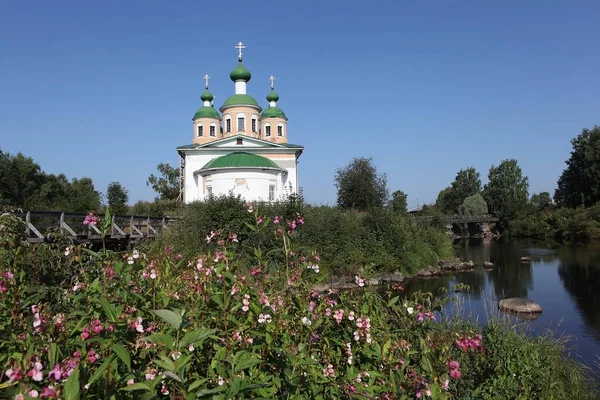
x=90, y=219
x=454, y=369
x=264, y=319
x=466, y=343
x=364, y=329
x=329, y=371
x=359, y=281
x=9, y=276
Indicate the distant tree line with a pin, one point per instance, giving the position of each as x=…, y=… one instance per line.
x=505, y=195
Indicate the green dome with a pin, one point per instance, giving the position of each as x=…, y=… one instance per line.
x=207, y=96
x=241, y=159
x=239, y=100
x=207, y=112
x=273, y=112
x=272, y=96
x=240, y=73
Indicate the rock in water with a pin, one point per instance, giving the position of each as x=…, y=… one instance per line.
x=520, y=305
x=488, y=265
x=525, y=259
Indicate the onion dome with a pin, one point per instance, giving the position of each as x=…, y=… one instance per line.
x=207, y=96
x=273, y=112
x=240, y=73
x=272, y=96
x=207, y=112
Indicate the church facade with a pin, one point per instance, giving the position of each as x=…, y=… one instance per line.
x=240, y=149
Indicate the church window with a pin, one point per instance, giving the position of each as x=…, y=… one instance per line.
x=267, y=130
x=253, y=124
x=271, y=192
x=200, y=130
x=241, y=124
x=279, y=130
x=213, y=130
x=228, y=125
x=209, y=191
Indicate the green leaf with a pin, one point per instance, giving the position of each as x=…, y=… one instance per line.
x=147, y=386
x=165, y=363
x=107, y=223
x=207, y=392
x=109, y=310
x=196, y=384
x=173, y=376
x=217, y=299
x=196, y=336
x=101, y=369
x=170, y=317
x=393, y=301
x=159, y=338
x=244, y=362
x=123, y=355
x=71, y=386
x=52, y=353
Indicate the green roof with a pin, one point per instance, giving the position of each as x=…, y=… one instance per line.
x=207, y=96
x=240, y=73
x=273, y=112
x=241, y=159
x=240, y=99
x=272, y=96
x=207, y=112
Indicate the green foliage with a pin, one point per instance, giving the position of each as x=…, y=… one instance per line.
x=156, y=208
x=23, y=184
x=167, y=183
x=563, y=224
x=473, y=205
x=117, y=198
x=398, y=202
x=466, y=184
x=360, y=187
x=541, y=199
x=579, y=183
x=347, y=240
x=506, y=191
x=148, y=325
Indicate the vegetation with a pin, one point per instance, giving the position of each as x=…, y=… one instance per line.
x=506, y=192
x=398, y=203
x=360, y=187
x=347, y=240
x=156, y=323
x=466, y=184
x=117, y=198
x=24, y=184
x=579, y=184
x=166, y=184
x=473, y=205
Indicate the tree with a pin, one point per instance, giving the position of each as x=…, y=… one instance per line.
x=466, y=183
x=167, y=184
x=359, y=186
x=540, y=199
x=579, y=183
x=398, y=202
x=506, y=193
x=82, y=196
x=117, y=197
x=20, y=179
x=473, y=205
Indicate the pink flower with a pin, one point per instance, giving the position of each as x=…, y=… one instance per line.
x=277, y=219
x=48, y=392
x=90, y=219
x=130, y=382
x=328, y=371
x=97, y=326
x=455, y=373
x=454, y=365
x=33, y=393
x=85, y=333
x=137, y=325
x=36, y=372
x=14, y=375
x=56, y=372
x=92, y=356
x=3, y=287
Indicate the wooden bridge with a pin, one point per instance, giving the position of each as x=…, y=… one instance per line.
x=463, y=219
x=42, y=226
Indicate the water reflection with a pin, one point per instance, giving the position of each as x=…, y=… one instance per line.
x=579, y=272
x=565, y=281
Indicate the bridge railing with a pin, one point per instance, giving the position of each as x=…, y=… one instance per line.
x=40, y=224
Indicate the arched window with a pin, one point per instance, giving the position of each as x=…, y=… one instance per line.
x=213, y=129
x=200, y=132
x=227, y=123
x=267, y=130
x=280, y=130
x=241, y=123
x=255, y=127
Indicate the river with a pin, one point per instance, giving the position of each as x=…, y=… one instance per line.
x=564, y=280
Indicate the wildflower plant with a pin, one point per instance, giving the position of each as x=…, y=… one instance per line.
x=143, y=325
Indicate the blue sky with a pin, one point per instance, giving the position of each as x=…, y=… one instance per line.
x=108, y=89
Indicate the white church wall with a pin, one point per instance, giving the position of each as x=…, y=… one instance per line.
x=252, y=185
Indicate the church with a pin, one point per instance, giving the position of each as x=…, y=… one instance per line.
x=241, y=148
